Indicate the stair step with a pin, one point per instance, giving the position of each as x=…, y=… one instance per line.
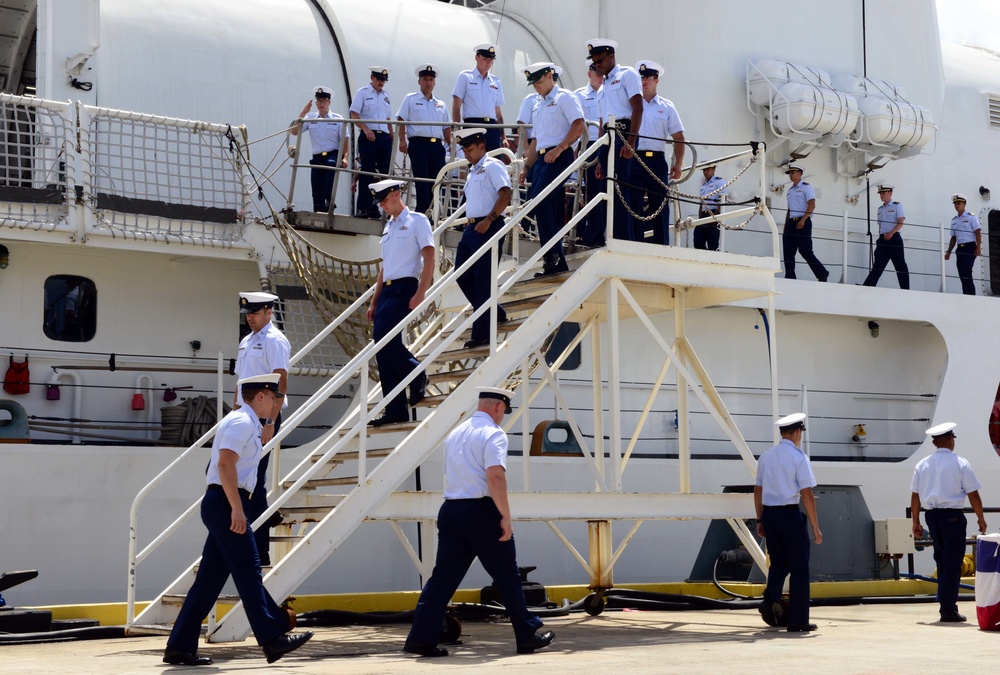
x=177, y=599
x=389, y=428
x=508, y=326
x=429, y=401
x=538, y=285
x=293, y=538
x=342, y=457
x=448, y=376
x=461, y=353
x=523, y=306
x=150, y=629
x=324, y=482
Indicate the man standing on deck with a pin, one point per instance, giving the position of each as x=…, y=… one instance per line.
x=478, y=96
x=474, y=522
x=424, y=144
x=967, y=240
x=374, y=140
x=650, y=174
x=558, y=121
x=941, y=482
x=591, y=230
x=487, y=196
x=706, y=237
x=890, y=241
x=265, y=350
x=326, y=139
x=406, y=273
x=230, y=549
x=621, y=97
x=784, y=479
x=797, y=235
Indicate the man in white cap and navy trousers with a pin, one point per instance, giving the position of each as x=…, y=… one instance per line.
x=941, y=482
x=474, y=522
x=796, y=237
x=406, y=273
x=327, y=139
x=230, y=548
x=424, y=144
x=967, y=240
x=375, y=139
x=784, y=479
x=264, y=351
x=478, y=96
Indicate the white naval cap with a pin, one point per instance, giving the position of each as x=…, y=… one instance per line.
x=649, y=68
x=498, y=393
x=885, y=187
x=252, y=301
x=380, y=72
x=487, y=49
x=558, y=71
x=596, y=45
x=793, y=167
x=941, y=429
x=381, y=189
x=708, y=166
x=793, y=420
x=958, y=197
x=426, y=69
x=537, y=71
x=267, y=381
x=469, y=136
x=322, y=92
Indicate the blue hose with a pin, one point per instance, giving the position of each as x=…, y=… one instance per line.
x=921, y=577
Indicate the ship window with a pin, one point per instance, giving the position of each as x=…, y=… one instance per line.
x=993, y=109
x=70, y=308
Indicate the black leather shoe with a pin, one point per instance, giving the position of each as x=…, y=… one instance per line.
x=424, y=650
x=418, y=389
x=275, y=519
x=176, y=657
x=538, y=640
x=952, y=616
x=283, y=644
x=801, y=628
x=471, y=344
x=766, y=610
x=386, y=419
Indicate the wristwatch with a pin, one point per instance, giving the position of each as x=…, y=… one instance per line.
x=268, y=422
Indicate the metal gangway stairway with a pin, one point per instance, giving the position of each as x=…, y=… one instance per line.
x=352, y=472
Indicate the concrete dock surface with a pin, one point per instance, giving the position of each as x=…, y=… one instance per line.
x=879, y=638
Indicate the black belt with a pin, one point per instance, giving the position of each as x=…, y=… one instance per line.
x=651, y=153
x=957, y=510
x=218, y=488
x=484, y=120
x=324, y=154
x=783, y=506
x=791, y=217
x=544, y=150
x=468, y=499
x=429, y=139
x=470, y=221
x=968, y=243
x=390, y=282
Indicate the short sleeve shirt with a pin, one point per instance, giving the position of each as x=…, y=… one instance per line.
x=620, y=85
x=554, y=115
x=262, y=353
x=481, y=96
x=798, y=198
x=369, y=104
x=417, y=108
x=325, y=136
x=964, y=227
x=943, y=479
x=660, y=121
x=483, y=185
x=239, y=431
x=711, y=185
x=888, y=214
x=782, y=473
x=525, y=115
x=474, y=446
x=591, y=105
x=404, y=237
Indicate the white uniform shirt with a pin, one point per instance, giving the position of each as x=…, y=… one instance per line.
x=782, y=472
x=591, y=104
x=660, y=122
x=888, y=214
x=964, y=227
x=554, y=115
x=262, y=353
x=402, y=241
x=526, y=114
x=325, y=136
x=481, y=96
x=943, y=479
x=240, y=432
x=417, y=108
x=483, y=185
x=798, y=198
x=372, y=105
x=474, y=446
x=710, y=186
x=620, y=85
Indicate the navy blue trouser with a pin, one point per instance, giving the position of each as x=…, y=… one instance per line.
x=884, y=252
x=550, y=214
x=965, y=258
x=227, y=553
x=394, y=360
x=591, y=228
x=947, y=528
x=788, y=546
x=794, y=240
x=494, y=136
x=477, y=282
x=706, y=237
x=623, y=226
x=470, y=529
x=426, y=160
x=258, y=504
x=645, y=181
x=322, y=180
x=375, y=156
